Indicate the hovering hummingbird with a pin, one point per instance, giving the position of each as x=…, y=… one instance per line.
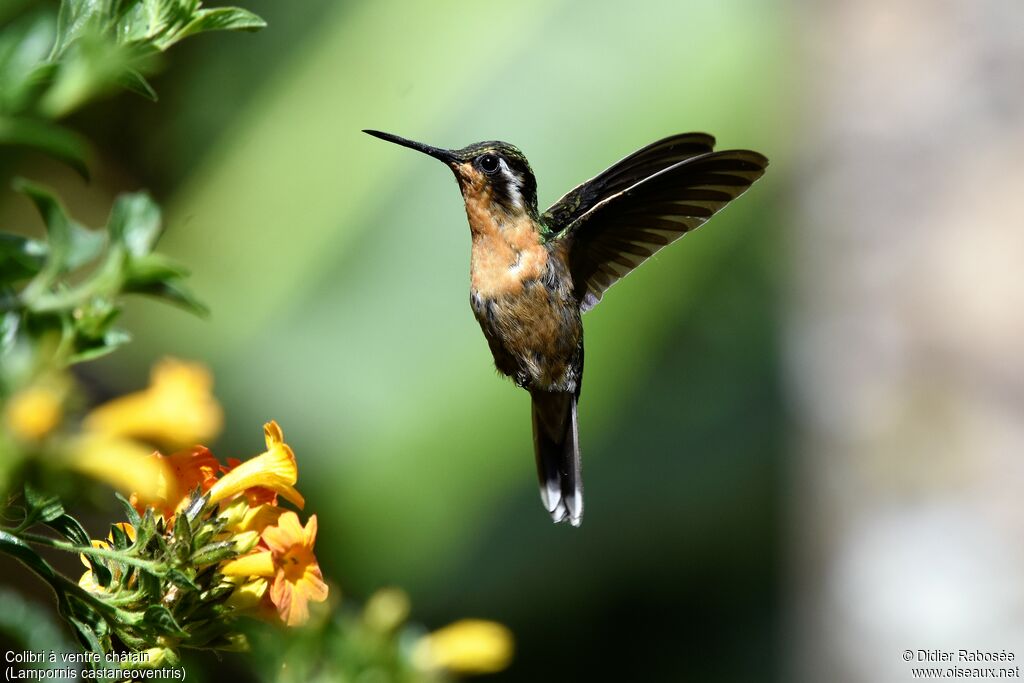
x=533, y=274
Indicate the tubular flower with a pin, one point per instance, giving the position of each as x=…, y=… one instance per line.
x=274, y=470
x=176, y=410
x=256, y=495
x=468, y=646
x=126, y=465
x=182, y=472
x=288, y=565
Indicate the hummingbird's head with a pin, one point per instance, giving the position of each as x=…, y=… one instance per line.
x=495, y=173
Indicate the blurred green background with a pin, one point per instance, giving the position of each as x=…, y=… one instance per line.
x=336, y=267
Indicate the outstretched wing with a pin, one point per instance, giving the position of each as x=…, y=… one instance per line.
x=623, y=175
x=622, y=231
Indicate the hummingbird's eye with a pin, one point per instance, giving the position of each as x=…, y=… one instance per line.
x=488, y=163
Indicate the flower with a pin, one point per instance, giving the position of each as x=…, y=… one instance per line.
x=288, y=565
x=181, y=473
x=177, y=408
x=125, y=465
x=35, y=411
x=468, y=646
x=275, y=470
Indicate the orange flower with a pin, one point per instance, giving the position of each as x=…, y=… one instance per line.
x=184, y=471
x=257, y=495
x=289, y=565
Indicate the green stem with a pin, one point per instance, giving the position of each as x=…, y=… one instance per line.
x=118, y=555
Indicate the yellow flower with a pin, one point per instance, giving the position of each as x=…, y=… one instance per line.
x=252, y=519
x=248, y=595
x=176, y=410
x=35, y=411
x=125, y=465
x=275, y=469
x=289, y=565
x=469, y=646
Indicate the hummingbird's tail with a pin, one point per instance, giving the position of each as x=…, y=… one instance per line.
x=556, y=445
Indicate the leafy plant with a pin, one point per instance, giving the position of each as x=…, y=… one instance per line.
x=203, y=542
x=51, y=65
x=60, y=295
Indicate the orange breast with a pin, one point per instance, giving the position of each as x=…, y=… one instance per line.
x=506, y=251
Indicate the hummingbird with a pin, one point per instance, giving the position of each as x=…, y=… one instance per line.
x=533, y=274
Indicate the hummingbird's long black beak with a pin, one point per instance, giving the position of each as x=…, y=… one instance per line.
x=443, y=154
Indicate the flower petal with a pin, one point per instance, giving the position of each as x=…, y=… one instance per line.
x=274, y=469
x=468, y=646
x=126, y=465
x=286, y=533
x=256, y=564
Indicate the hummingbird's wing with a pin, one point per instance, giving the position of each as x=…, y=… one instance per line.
x=622, y=231
x=623, y=175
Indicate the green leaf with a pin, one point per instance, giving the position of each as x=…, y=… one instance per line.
x=43, y=507
x=135, y=82
x=178, y=578
x=20, y=258
x=135, y=223
x=75, y=18
x=153, y=268
x=69, y=527
x=23, y=48
x=214, y=553
x=161, y=618
x=100, y=571
x=58, y=232
x=220, y=19
x=70, y=245
x=49, y=138
x=21, y=551
x=86, y=245
x=183, y=530
x=86, y=635
x=121, y=540
x=130, y=512
x=109, y=343
x=173, y=293
x=149, y=584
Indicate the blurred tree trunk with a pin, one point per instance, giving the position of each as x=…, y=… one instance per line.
x=906, y=335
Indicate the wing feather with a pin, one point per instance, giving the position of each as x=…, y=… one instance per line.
x=619, y=232
x=621, y=176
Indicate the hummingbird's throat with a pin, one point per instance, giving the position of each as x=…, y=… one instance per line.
x=500, y=191
x=507, y=251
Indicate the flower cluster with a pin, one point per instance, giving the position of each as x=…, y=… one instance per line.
x=207, y=542
x=221, y=538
